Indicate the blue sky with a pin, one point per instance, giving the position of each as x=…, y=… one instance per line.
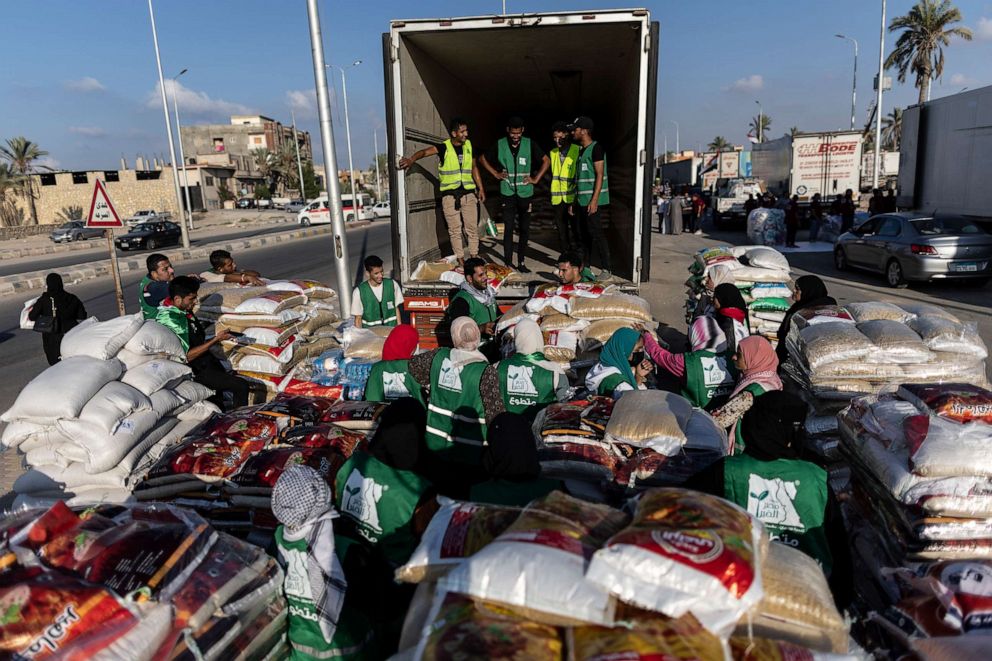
x=80, y=78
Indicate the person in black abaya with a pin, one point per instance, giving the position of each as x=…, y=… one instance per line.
x=510, y=460
x=810, y=293
x=66, y=310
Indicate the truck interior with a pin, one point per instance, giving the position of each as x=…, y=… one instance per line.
x=543, y=74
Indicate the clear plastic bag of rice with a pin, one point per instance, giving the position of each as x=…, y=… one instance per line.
x=941, y=334
x=921, y=309
x=652, y=419
x=611, y=306
x=600, y=331
x=872, y=310
x=557, y=321
x=897, y=342
x=825, y=343
x=363, y=343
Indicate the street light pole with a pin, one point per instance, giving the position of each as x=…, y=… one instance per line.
x=330, y=161
x=168, y=126
x=878, y=101
x=347, y=132
x=182, y=155
x=678, y=149
x=378, y=180
x=299, y=162
x=761, y=118
x=854, y=85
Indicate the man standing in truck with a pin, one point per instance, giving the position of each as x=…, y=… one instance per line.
x=592, y=192
x=460, y=185
x=517, y=158
x=564, y=160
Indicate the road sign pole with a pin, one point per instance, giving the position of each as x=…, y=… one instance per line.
x=104, y=215
x=116, y=270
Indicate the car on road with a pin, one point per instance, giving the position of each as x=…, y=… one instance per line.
x=75, y=230
x=149, y=236
x=381, y=210
x=264, y=203
x=246, y=203
x=913, y=247
x=144, y=216
x=294, y=206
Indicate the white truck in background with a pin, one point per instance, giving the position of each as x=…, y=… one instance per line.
x=828, y=163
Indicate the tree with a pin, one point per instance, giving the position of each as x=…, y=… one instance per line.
x=892, y=129
x=719, y=143
x=266, y=162
x=794, y=131
x=920, y=47
x=285, y=165
x=766, y=124
x=71, y=212
x=10, y=183
x=223, y=192
x=20, y=153
x=262, y=192
x=311, y=189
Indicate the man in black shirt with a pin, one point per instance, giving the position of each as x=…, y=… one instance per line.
x=518, y=159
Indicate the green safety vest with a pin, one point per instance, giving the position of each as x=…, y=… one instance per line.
x=391, y=379
x=452, y=174
x=517, y=167
x=757, y=390
x=480, y=314
x=587, y=275
x=527, y=388
x=563, y=175
x=788, y=495
x=380, y=500
x=374, y=311
x=456, y=418
x=585, y=181
x=709, y=378
x=147, y=311
x=609, y=384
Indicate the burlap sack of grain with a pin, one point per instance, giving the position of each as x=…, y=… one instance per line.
x=797, y=606
x=601, y=330
x=227, y=297
x=941, y=334
x=315, y=319
x=611, y=306
x=871, y=310
x=833, y=341
x=650, y=419
x=895, y=341
x=558, y=321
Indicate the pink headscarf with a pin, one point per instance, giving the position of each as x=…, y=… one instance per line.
x=760, y=364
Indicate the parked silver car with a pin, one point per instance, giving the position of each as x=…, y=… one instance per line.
x=75, y=230
x=916, y=247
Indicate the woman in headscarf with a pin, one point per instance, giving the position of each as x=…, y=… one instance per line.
x=621, y=367
x=390, y=378
x=810, y=292
x=717, y=275
x=773, y=431
x=706, y=373
x=757, y=366
x=510, y=461
x=56, y=309
x=456, y=418
x=730, y=312
x=526, y=381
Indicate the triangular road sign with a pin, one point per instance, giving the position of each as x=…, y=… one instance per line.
x=102, y=212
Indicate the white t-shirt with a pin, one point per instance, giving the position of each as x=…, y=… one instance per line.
x=356, y=298
x=210, y=276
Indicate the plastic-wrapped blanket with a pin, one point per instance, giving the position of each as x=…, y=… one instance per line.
x=766, y=227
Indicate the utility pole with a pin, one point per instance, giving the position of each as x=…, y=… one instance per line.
x=330, y=162
x=299, y=163
x=182, y=156
x=854, y=85
x=347, y=132
x=678, y=149
x=878, y=101
x=378, y=179
x=761, y=119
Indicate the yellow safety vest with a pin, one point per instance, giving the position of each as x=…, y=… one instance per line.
x=453, y=174
x=563, y=175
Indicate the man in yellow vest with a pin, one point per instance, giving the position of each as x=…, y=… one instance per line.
x=460, y=184
x=564, y=158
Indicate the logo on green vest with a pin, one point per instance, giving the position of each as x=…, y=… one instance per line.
x=297, y=583
x=520, y=380
x=361, y=499
x=773, y=501
x=450, y=376
x=715, y=371
x=394, y=385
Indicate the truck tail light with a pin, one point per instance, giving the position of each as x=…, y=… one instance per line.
x=919, y=249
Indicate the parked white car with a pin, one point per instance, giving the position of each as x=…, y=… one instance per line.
x=381, y=210
x=318, y=213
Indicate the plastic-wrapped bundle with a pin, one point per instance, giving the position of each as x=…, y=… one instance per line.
x=510, y=318
x=895, y=341
x=766, y=227
x=705, y=258
x=682, y=639
x=562, y=322
x=650, y=419
x=769, y=304
x=363, y=343
x=945, y=335
x=921, y=309
x=872, y=310
x=611, y=306
x=830, y=228
x=770, y=289
x=829, y=342
x=600, y=331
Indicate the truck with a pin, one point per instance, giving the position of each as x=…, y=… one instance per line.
x=146, y=215
x=944, y=156
x=730, y=196
x=544, y=67
x=827, y=162
x=684, y=172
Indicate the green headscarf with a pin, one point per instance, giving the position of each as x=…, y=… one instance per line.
x=616, y=351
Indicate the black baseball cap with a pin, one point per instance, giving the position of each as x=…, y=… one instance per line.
x=582, y=122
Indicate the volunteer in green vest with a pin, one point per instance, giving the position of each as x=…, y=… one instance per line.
x=460, y=186
x=384, y=499
x=622, y=366
x=323, y=620
x=790, y=496
x=571, y=269
x=521, y=163
x=456, y=412
x=378, y=300
x=390, y=378
x=564, y=161
x=154, y=287
x=511, y=465
x=757, y=369
x=526, y=381
x=592, y=192
x=706, y=374
x=476, y=299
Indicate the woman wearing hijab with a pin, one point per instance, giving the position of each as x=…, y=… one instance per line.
x=757, y=366
x=810, y=292
x=510, y=461
x=621, y=367
x=64, y=310
x=706, y=373
x=526, y=381
x=790, y=496
x=717, y=275
x=730, y=312
x=456, y=417
x=390, y=378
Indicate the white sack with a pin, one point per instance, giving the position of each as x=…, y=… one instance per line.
x=156, y=375
x=199, y=411
x=166, y=401
x=155, y=339
x=105, y=450
x=112, y=404
x=62, y=390
x=100, y=339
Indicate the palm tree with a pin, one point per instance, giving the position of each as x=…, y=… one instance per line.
x=20, y=153
x=286, y=164
x=794, y=131
x=71, y=212
x=892, y=129
x=920, y=48
x=719, y=143
x=10, y=183
x=265, y=161
x=766, y=123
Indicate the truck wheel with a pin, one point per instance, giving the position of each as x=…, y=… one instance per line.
x=840, y=259
x=893, y=274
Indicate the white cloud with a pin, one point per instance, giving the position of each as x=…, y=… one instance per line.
x=85, y=85
x=960, y=79
x=193, y=102
x=48, y=162
x=751, y=83
x=88, y=131
x=303, y=103
x=984, y=29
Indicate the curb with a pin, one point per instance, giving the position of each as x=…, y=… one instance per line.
x=28, y=281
